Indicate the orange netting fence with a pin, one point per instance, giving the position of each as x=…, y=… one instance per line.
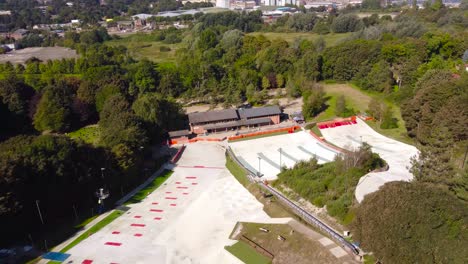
x=260, y=133
x=337, y=123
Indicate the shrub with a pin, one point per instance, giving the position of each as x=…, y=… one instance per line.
x=164, y=49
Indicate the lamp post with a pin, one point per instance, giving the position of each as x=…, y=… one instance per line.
x=280, y=151
x=102, y=172
x=39, y=211
x=259, y=173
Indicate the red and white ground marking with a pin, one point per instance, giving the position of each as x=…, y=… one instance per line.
x=189, y=224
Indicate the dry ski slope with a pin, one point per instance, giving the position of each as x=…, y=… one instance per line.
x=186, y=220
x=396, y=154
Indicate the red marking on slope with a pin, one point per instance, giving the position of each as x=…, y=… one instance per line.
x=173, y=204
x=116, y=244
x=87, y=261
x=138, y=225
x=137, y=216
x=168, y=192
x=201, y=167
x=156, y=210
x=155, y=203
x=116, y=232
x=190, y=177
x=194, y=183
x=181, y=187
x=185, y=193
x=171, y=198
x=138, y=235
x=157, y=218
x=177, y=182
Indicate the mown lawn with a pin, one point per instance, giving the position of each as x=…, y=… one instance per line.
x=139, y=196
x=359, y=101
x=89, y=134
x=247, y=254
x=140, y=48
x=290, y=37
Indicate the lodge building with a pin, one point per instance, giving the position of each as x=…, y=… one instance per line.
x=230, y=119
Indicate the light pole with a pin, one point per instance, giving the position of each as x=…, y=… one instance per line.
x=280, y=150
x=259, y=173
x=39, y=211
x=102, y=172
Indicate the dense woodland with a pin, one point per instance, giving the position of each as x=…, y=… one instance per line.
x=415, y=60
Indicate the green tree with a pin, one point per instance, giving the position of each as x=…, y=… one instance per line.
x=103, y=94
x=146, y=77
x=313, y=100
x=53, y=111
x=346, y=23
x=388, y=119
x=412, y=222
x=374, y=109
x=340, y=106
x=119, y=125
x=265, y=83
x=159, y=112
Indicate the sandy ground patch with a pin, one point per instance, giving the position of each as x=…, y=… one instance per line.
x=395, y=153
x=294, y=148
x=42, y=53
x=187, y=220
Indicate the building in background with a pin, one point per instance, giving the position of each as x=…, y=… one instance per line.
x=230, y=119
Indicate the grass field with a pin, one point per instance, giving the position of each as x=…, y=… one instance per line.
x=139, y=196
x=111, y=217
x=140, y=48
x=359, y=101
x=330, y=39
x=247, y=254
x=89, y=134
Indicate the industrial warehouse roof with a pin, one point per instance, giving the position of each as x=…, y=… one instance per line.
x=239, y=123
x=212, y=116
x=259, y=112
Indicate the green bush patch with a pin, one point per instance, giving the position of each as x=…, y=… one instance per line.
x=247, y=254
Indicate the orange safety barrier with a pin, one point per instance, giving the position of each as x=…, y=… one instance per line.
x=205, y=139
x=337, y=122
x=326, y=143
x=259, y=133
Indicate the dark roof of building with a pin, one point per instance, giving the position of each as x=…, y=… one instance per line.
x=212, y=116
x=257, y=121
x=179, y=133
x=259, y=112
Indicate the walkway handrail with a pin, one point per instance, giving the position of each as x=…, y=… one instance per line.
x=306, y=216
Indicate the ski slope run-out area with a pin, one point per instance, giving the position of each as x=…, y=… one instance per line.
x=397, y=155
